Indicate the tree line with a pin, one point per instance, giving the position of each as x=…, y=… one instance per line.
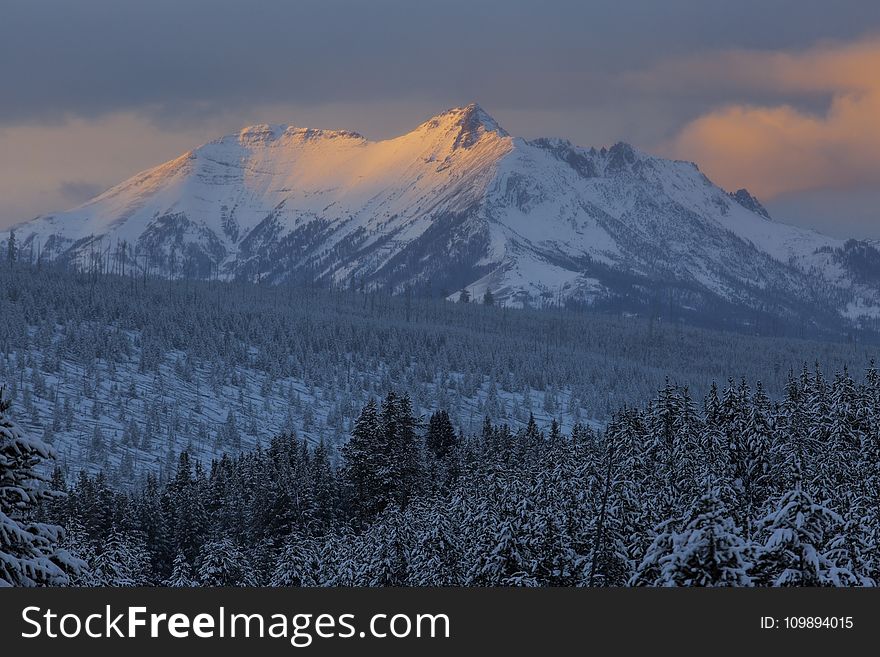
x=736, y=490
x=122, y=377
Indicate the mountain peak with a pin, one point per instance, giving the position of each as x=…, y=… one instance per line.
x=262, y=132
x=455, y=203
x=745, y=199
x=265, y=133
x=473, y=116
x=468, y=123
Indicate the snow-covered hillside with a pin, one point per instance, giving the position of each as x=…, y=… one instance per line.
x=122, y=374
x=459, y=203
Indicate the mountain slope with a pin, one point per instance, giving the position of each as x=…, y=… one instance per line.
x=458, y=203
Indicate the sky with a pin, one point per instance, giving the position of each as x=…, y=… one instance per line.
x=778, y=96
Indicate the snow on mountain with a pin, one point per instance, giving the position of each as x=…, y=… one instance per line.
x=459, y=203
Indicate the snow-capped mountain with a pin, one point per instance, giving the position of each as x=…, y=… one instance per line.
x=460, y=203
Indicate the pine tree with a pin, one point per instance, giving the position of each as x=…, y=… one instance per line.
x=385, y=560
x=152, y=522
x=229, y=434
x=793, y=441
x=607, y=563
x=298, y=564
x=854, y=552
x=507, y=563
x=181, y=573
x=406, y=454
x=187, y=515
x=222, y=564
x=29, y=551
x=435, y=558
x=440, y=437
x=121, y=560
x=650, y=569
x=11, y=248
x=798, y=535
x=547, y=528
x=364, y=464
x=756, y=476
x=337, y=565
x=77, y=544
x=555, y=433
x=844, y=443
x=709, y=551
x=324, y=488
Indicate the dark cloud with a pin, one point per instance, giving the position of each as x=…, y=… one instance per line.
x=91, y=57
x=141, y=82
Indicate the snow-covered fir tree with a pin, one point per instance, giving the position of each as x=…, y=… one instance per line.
x=181, y=573
x=666, y=495
x=29, y=549
x=298, y=563
x=221, y=563
x=708, y=551
x=798, y=535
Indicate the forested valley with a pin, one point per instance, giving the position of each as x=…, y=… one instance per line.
x=172, y=433
x=733, y=490
x=120, y=374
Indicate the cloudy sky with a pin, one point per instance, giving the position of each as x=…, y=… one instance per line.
x=779, y=96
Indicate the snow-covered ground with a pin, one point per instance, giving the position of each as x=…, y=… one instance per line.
x=114, y=417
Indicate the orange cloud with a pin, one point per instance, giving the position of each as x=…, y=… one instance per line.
x=778, y=149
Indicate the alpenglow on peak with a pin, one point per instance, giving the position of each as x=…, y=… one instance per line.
x=471, y=121
x=458, y=203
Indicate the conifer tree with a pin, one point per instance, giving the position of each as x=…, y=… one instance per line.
x=853, y=551
x=407, y=454
x=181, y=573
x=222, y=564
x=364, y=464
x=324, y=491
x=606, y=564
x=187, y=513
x=650, y=570
x=507, y=563
x=798, y=534
x=298, y=564
x=29, y=551
x=11, y=248
x=709, y=551
x=435, y=558
x=385, y=560
x=120, y=560
x=440, y=437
